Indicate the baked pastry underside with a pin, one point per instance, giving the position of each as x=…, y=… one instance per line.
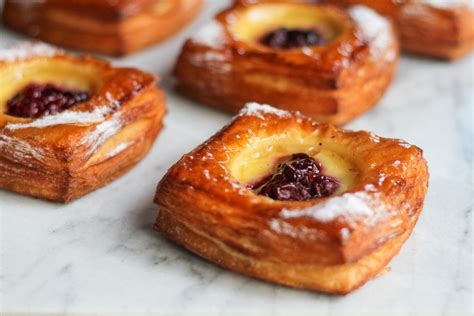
x=333, y=83
x=117, y=28
x=335, y=244
x=64, y=156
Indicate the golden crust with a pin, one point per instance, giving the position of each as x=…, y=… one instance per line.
x=332, y=83
x=116, y=28
x=334, y=244
x=444, y=31
x=62, y=157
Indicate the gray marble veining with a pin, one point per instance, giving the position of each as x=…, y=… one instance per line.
x=99, y=254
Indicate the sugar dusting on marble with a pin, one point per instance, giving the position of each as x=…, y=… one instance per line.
x=212, y=34
x=256, y=109
x=27, y=50
x=376, y=29
x=350, y=206
x=20, y=150
x=64, y=118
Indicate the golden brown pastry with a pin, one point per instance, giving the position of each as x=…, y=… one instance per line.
x=111, y=27
x=69, y=125
x=250, y=2
x=279, y=197
x=329, y=64
x=437, y=28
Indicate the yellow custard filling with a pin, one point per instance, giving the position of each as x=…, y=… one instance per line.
x=250, y=24
x=15, y=77
x=261, y=158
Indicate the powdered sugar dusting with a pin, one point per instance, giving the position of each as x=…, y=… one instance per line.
x=350, y=206
x=257, y=110
x=449, y=3
x=63, y=118
x=19, y=150
x=345, y=234
x=286, y=229
x=376, y=29
x=212, y=35
x=422, y=7
x=120, y=148
x=218, y=60
x=102, y=132
x=27, y=50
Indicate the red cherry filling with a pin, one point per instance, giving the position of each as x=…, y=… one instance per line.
x=37, y=100
x=299, y=178
x=284, y=38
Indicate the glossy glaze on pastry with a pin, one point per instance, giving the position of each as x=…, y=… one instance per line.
x=227, y=63
x=334, y=243
x=90, y=122
x=437, y=28
x=111, y=27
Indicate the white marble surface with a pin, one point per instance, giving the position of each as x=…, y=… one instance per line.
x=99, y=254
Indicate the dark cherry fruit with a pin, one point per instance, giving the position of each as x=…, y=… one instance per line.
x=37, y=100
x=299, y=178
x=284, y=38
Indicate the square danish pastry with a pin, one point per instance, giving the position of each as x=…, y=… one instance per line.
x=111, y=27
x=437, y=28
x=277, y=196
x=330, y=64
x=69, y=125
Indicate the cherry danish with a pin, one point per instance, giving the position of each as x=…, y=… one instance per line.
x=330, y=64
x=70, y=125
x=282, y=198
